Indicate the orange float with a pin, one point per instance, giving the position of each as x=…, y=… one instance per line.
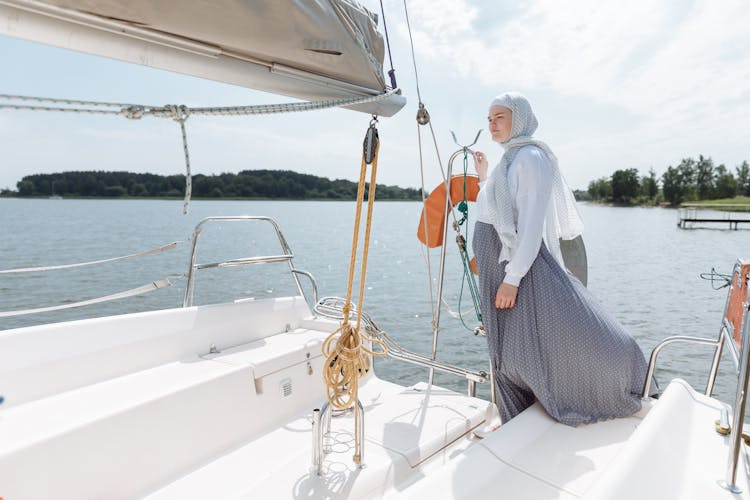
x=433, y=216
x=735, y=310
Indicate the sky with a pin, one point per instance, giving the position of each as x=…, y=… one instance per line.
x=614, y=85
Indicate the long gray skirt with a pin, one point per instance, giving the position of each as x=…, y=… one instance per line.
x=557, y=343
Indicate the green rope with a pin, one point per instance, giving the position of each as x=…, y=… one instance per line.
x=468, y=277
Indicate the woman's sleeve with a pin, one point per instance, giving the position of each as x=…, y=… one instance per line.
x=533, y=177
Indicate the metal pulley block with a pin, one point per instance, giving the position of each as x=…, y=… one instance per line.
x=371, y=141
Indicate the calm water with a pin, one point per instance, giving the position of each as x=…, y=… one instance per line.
x=641, y=266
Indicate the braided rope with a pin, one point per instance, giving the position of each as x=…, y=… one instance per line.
x=137, y=111
x=345, y=349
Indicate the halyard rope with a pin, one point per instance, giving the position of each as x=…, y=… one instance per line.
x=345, y=349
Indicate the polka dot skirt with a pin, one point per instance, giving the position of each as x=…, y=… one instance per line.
x=558, y=344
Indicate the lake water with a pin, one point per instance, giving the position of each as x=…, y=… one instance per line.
x=641, y=266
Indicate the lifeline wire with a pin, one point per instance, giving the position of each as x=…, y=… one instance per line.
x=164, y=248
x=154, y=285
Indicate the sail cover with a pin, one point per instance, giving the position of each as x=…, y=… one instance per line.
x=307, y=49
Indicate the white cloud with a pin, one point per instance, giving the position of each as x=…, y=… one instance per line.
x=617, y=85
x=671, y=75
x=641, y=55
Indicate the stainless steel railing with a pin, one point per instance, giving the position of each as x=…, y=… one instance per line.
x=331, y=307
x=672, y=340
x=285, y=256
x=741, y=358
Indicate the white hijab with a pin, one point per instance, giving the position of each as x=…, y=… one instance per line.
x=562, y=220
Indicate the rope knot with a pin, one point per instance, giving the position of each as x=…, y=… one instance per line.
x=133, y=112
x=178, y=113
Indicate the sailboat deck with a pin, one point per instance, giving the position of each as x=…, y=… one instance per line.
x=407, y=430
x=125, y=412
x=667, y=450
x=229, y=422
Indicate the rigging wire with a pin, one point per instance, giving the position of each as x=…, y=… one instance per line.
x=413, y=57
x=423, y=118
x=392, y=72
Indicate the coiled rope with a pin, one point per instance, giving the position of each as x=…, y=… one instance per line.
x=345, y=349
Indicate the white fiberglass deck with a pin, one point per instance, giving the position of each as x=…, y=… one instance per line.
x=216, y=402
x=669, y=450
x=120, y=408
x=404, y=429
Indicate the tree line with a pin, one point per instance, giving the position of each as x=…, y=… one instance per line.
x=690, y=180
x=273, y=184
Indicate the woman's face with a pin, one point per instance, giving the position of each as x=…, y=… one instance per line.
x=500, y=122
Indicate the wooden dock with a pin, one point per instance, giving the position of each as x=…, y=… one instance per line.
x=694, y=213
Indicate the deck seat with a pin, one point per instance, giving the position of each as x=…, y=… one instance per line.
x=131, y=433
x=117, y=438
x=271, y=354
x=64, y=356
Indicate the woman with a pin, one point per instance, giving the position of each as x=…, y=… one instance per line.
x=549, y=339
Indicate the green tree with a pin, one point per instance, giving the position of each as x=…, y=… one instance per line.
x=677, y=182
x=649, y=185
x=600, y=189
x=704, y=178
x=25, y=187
x=248, y=183
x=743, y=178
x=726, y=185
x=625, y=184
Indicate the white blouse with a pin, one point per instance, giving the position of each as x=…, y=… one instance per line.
x=530, y=184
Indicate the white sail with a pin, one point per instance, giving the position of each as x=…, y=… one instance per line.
x=312, y=50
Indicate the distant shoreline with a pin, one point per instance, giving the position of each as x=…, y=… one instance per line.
x=194, y=198
x=246, y=185
x=736, y=204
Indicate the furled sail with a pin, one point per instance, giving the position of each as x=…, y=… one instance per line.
x=307, y=49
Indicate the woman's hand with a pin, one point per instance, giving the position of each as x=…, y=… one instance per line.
x=481, y=165
x=505, y=298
